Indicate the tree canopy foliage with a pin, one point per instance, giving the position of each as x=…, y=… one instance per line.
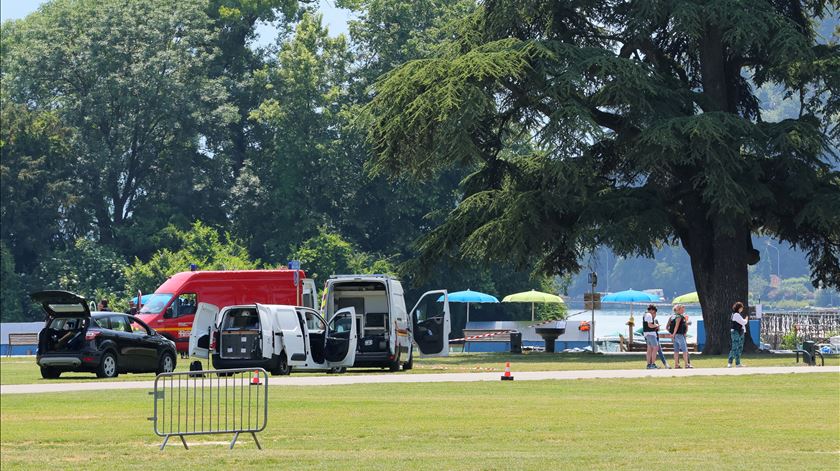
x=628, y=124
x=201, y=246
x=126, y=123
x=154, y=135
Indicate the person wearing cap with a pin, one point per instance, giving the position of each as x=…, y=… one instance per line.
x=651, y=331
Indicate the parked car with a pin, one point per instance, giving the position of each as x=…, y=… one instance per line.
x=105, y=343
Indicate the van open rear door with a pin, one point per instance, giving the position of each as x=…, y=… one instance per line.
x=203, y=328
x=431, y=323
x=267, y=328
x=342, y=339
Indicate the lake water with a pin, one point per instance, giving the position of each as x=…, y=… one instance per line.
x=612, y=320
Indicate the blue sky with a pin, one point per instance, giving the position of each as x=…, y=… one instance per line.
x=335, y=18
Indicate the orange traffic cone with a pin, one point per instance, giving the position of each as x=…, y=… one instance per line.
x=507, y=376
x=255, y=381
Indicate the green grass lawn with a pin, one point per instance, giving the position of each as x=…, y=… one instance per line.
x=746, y=422
x=23, y=370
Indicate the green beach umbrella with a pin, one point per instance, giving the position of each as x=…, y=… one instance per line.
x=688, y=298
x=533, y=297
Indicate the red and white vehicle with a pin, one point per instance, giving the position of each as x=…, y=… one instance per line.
x=171, y=309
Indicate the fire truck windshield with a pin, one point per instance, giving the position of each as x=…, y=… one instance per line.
x=156, y=303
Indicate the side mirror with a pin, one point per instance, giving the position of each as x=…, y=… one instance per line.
x=169, y=313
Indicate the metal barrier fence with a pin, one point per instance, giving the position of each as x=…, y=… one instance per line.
x=210, y=402
x=816, y=325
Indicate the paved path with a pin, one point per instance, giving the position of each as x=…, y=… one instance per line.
x=301, y=379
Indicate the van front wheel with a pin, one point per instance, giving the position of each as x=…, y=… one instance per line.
x=281, y=366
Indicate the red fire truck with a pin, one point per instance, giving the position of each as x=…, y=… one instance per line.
x=171, y=309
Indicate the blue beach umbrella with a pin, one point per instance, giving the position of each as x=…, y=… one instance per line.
x=630, y=296
x=468, y=297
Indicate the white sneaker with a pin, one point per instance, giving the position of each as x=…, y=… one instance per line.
x=729, y=365
x=740, y=366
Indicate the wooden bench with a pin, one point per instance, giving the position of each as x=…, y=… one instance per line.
x=20, y=339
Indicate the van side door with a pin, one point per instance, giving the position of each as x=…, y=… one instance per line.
x=203, y=329
x=290, y=335
x=342, y=338
x=431, y=323
x=266, y=330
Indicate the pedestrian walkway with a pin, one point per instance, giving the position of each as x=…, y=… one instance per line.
x=333, y=380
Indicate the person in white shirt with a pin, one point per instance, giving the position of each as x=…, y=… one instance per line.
x=737, y=330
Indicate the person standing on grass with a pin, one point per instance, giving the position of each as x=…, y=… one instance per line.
x=680, y=328
x=737, y=331
x=651, y=330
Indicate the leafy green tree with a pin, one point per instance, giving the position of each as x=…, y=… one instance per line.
x=627, y=124
x=200, y=245
x=300, y=183
x=758, y=286
x=235, y=64
x=37, y=189
x=328, y=254
x=794, y=288
x=129, y=78
x=379, y=212
x=11, y=309
x=376, y=212
x=87, y=268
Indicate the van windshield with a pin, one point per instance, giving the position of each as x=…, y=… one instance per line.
x=156, y=303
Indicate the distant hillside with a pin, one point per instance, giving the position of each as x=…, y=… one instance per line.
x=670, y=270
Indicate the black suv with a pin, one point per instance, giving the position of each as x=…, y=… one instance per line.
x=105, y=343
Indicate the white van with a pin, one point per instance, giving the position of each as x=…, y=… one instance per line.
x=274, y=337
x=385, y=331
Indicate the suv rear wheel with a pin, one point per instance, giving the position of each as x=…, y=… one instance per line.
x=108, y=366
x=166, y=363
x=49, y=372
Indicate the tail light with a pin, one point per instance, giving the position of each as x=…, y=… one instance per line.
x=92, y=334
x=213, y=342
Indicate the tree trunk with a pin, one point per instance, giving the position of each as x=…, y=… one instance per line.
x=719, y=265
x=103, y=221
